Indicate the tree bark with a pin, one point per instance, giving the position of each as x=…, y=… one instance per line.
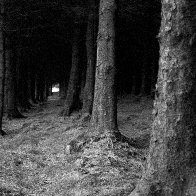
x=88, y=93
x=168, y=162
x=104, y=114
x=5, y=86
x=12, y=110
x=2, y=69
x=72, y=96
x=154, y=67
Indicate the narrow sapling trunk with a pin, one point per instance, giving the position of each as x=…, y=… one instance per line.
x=104, y=114
x=32, y=89
x=29, y=82
x=168, y=162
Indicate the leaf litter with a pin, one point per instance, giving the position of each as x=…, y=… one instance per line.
x=35, y=159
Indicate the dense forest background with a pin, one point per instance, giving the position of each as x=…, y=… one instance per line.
x=39, y=37
x=123, y=122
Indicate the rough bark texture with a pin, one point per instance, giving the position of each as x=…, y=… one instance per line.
x=72, y=92
x=2, y=70
x=170, y=148
x=88, y=93
x=104, y=114
x=154, y=68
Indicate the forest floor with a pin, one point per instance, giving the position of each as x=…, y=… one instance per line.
x=35, y=158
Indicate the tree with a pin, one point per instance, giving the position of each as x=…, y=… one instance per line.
x=91, y=60
x=72, y=91
x=2, y=67
x=104, y=114
x=12, y=110
x=168, y=162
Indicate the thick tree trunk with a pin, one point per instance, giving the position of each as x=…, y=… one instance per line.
x=104, y=114
x=12, y=110
x=88, y=92
x=72, y=96
x=2, y=71
x=170, y=148
x=154, y=67
x=11, y=84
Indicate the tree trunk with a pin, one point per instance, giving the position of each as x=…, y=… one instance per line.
x=82, y=81
x=170, y=152
x=88, y=92
x=30, y=84
x=154, y=68
x=104, y=114
x=62, y=89
x=6, y=82
x=12, y=110
x=72, y=96
x=33, y=87
x=42, y=87
x=2, y=70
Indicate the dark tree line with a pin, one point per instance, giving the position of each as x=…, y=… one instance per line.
x=93, y=51
x=49, y=42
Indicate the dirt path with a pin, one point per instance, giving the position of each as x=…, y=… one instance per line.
x=34, y=158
